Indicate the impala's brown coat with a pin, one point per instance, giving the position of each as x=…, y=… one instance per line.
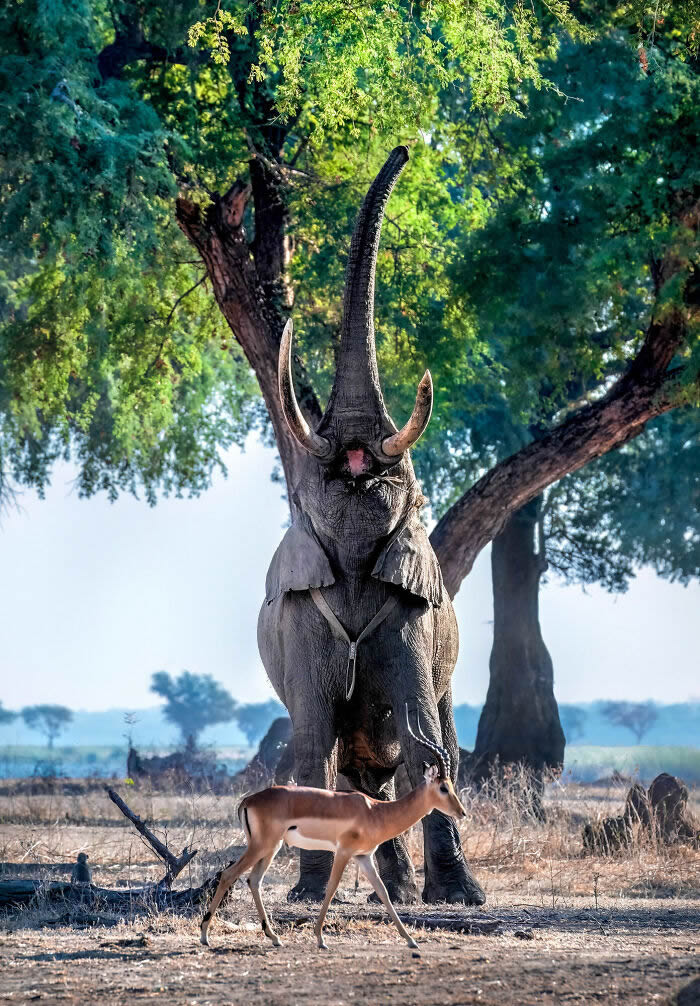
x=351, y=825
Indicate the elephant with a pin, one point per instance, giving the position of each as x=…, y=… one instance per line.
x=357, y=557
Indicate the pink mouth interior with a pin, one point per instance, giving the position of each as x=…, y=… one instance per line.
x=357, y=461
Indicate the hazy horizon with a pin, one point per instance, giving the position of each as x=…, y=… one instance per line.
x=100, y=595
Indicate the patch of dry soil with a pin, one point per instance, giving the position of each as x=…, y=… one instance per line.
x=638, y=951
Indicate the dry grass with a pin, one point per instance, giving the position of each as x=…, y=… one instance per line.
x=511, y=852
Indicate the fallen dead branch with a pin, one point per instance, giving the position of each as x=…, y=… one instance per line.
x=175, y=864
x=21, y=891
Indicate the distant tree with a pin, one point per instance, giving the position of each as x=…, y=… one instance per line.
x=6, y=715
x=50, y=720
x=254, y=718
x=635, y=716
x=193, y=702
x=573, y=720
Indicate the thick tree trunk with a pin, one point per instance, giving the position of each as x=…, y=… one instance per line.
x=520, y=720
x=249, y=298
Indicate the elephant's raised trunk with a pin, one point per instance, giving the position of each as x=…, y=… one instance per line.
x=356, y=385
x=356, y=411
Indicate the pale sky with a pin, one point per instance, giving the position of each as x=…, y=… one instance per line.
x=97, y=596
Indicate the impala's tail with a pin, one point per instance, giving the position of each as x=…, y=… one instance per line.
x=242, y=812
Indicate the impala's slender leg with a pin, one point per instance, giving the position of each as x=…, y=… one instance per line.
x=254, y=881
x=369, y=870
x=339, y=864
x=228, y=878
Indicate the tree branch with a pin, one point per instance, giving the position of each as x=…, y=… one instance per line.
x=478, y=516
x=646, y=390
x=175, y=864
x=253, y=304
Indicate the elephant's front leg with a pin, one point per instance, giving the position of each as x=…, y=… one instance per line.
x=315, y=765
x=447, y=874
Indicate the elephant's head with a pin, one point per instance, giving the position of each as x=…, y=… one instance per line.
x=359, y=481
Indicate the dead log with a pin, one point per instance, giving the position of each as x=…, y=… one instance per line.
x=19, y=893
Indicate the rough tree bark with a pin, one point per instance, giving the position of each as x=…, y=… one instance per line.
x=248, y=281
x=520, y=720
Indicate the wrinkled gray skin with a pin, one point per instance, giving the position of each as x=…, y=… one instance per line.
x=346, y=507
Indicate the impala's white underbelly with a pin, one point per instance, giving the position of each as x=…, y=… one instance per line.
x=305, y=835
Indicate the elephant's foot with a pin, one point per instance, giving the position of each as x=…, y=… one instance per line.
x=402, y=892
x=460, y=888
x=314, y=872
x=307, y=890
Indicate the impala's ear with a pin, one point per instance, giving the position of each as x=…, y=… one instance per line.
x=298, y=564
x=430, y=772
x=409, y=562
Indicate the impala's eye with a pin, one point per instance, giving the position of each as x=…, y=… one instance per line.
x=444, y=789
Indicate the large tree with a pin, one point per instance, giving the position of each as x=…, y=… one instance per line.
x=583, y=284
x=128, y=121
x=116, y=130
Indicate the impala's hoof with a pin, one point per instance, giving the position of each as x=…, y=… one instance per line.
x=204, y=939
x=413, y=945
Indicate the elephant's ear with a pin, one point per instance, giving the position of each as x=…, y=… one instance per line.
x=409, y=562
x=298, y=563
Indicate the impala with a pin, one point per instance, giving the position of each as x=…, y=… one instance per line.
x=350, y=825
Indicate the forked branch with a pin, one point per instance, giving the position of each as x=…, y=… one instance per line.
x=174, y=864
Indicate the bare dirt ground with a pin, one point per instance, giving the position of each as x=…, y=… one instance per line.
x=574, y=929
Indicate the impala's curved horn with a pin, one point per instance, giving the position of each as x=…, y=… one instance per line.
x=443, y=758
x=310, y=441
x=415, y=427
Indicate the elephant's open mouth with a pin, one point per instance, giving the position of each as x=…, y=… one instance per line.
x=360, y=470
x=365, y=485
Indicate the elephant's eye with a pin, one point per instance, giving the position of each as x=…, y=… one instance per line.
x=444, y=789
